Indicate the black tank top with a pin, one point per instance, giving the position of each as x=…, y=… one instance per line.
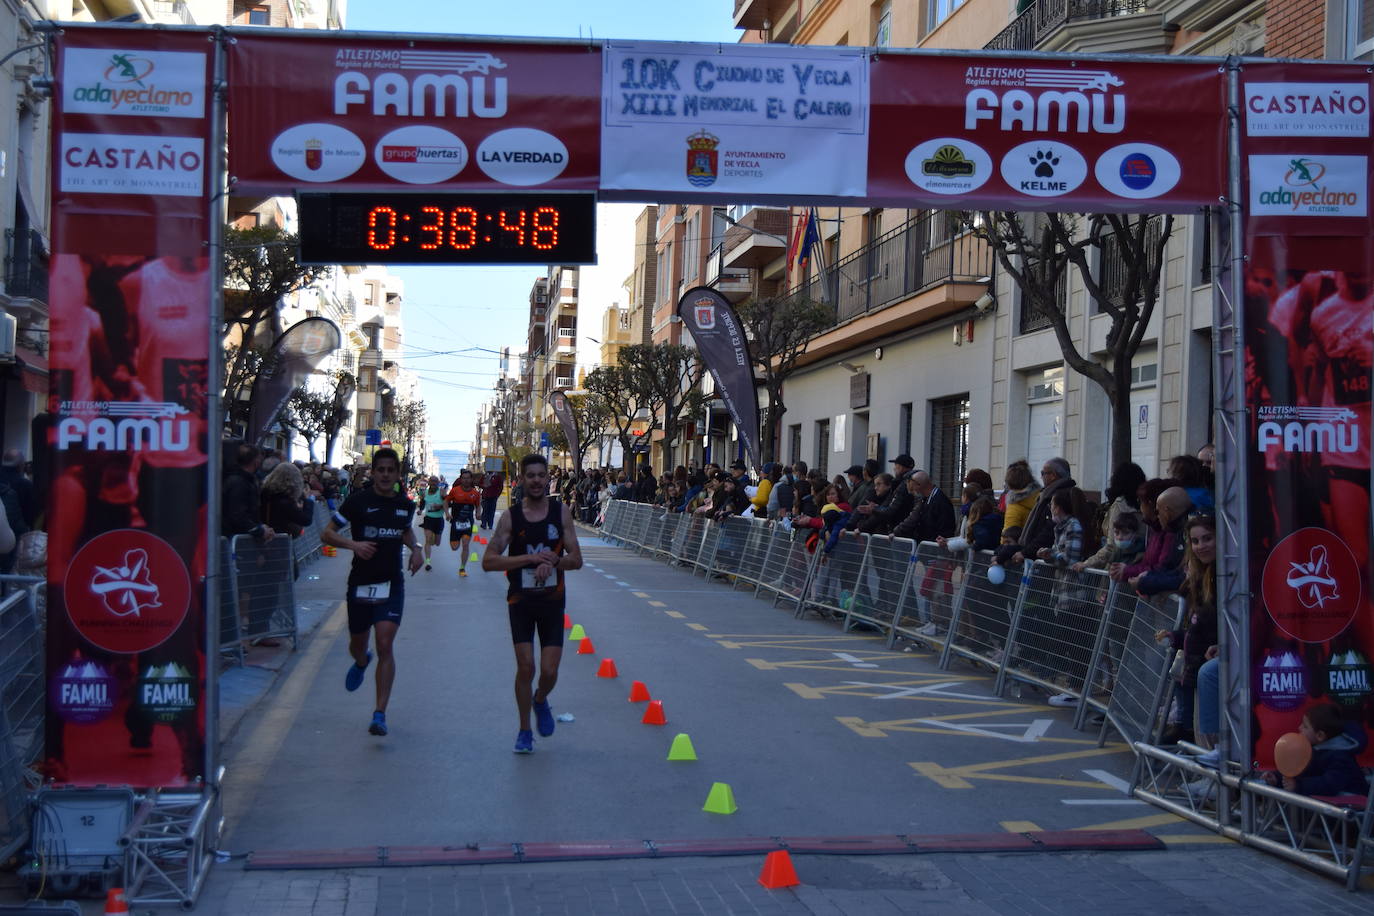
x=531, y=537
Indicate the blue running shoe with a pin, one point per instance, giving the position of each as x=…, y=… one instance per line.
x=524, y=742
x=378, y=726
x=543, y=716
x=354, y=679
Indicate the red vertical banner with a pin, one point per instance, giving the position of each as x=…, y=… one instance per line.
x=130, y=314
x=1308, y=316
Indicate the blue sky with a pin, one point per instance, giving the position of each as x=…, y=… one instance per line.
x=481, y=309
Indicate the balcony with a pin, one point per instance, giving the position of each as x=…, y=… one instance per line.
x=173, y=11
x=734, y=283
x=26, y=273
x=1085, y=26
x=919, y=272
x=759, y=238
x=781, y=16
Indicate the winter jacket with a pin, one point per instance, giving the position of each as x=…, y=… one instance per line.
x=861, y=493
x=281, y=513
x=1200, y=636
x=783, y=496
x=986, y=533
x=1018, y=506
x=1106, y=554
x=242, y=506
x=1110, y=553
x=496, y=482
x=935, y=518
x=1038, y=530
x=1068, y=541
x=1161, y=569
x=760, y=498
x=1334, y=769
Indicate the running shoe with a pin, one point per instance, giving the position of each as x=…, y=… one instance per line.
x=1063, y=700
x=354, y=678
x=462, y=573
x=543, y=717
x=427, y=566
x=378, y=726
x=524, y=742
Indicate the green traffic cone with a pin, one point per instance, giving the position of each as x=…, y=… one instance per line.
x=473, y=558
x=721, y=800
x=577, y=632
x=682, y=749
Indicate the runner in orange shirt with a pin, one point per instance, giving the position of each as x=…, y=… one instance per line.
x=463, y=500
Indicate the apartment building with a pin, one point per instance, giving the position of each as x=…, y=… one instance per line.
x=932, y=354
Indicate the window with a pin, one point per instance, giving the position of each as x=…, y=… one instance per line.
x=949, y=442
x=1202, y=247
x=794, y=443
x=940, y=10
x=904, y=430
x=1113, y=279
x=665, y=273
x=736, y=211
x=1031, y=318
x=691, y=249
x=823, y=447
x=260, y=15
x=1360, y=29
x=882, y=29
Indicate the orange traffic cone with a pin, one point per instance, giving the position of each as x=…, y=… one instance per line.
x=638, y=692
x=607, y=668
x=567, y=621
x=778, y=871
x=115, y=904
x=653, y=715
x=586, y=648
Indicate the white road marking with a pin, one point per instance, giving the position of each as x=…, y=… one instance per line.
x=928, y=690
x=1110, y=779
x=1100, y=801
x=1029, y=733
x=854, y=660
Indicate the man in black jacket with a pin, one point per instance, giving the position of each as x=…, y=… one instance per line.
x=933, y=518
x=898, y=504
x=242, y=508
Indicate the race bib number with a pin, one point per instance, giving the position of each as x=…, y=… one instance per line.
x=376, y=593
x=1349, y=382
x=527, y=582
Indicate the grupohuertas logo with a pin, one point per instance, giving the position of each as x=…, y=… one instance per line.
x=1348, y=677
x=83, y=691
x=166, y=692
x=1300, y=185
x=144, y=83
x=1282, y=681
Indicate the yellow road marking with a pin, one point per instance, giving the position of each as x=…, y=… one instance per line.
x=805, y=692
x=1020, y=826
x=675, y=614
x=656, y=603
x=1136, y=823
x=857, y=725
x=959, y=777
x=697, y=626
x=640, y=594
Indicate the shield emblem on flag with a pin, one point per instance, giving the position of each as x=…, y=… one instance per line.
x=705, y=311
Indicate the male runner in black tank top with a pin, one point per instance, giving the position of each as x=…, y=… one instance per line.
x=543, y=544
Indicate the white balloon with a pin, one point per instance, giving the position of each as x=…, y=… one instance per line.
x=997, y=575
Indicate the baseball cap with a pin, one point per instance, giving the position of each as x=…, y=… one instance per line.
x=905, y=461
x=739, y=465
x=769, y=467
x=856, y=470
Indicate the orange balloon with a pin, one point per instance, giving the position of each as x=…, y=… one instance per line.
x=1292, y=754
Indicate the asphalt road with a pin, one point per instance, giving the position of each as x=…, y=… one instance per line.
x=817, y=732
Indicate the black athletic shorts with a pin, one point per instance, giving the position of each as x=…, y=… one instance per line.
x=362, y=615
x=432, y=523
x=459, y=530
x=526, y=617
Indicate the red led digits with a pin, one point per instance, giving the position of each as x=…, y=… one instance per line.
x=545, y=234
x=518, y=228
x=437, y=227
x=385, y=218
x=462, y=233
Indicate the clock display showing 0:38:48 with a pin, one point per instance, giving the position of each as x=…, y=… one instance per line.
x=461, y=228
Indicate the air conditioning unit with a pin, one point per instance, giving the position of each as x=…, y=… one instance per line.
x=9, y=328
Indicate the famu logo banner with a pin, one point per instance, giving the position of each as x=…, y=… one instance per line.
x=1307, y=185
x=154, y=84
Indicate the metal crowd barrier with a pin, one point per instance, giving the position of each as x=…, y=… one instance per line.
x=306, y=548
x=21, y=707
x=258, y=592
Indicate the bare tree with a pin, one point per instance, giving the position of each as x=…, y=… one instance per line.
x=260, y=269
x=1119, y=258
x=342, y=384
x=779, y=330
x=307, y=412
x=666, y=379
x=590, y=415
x=611, y=385
x=405, y=426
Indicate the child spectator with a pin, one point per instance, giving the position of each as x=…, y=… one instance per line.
x=1336, y=743
x=1127, y=545
x=982, y=528
x=1068, y=532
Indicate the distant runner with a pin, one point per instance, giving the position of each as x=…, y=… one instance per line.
x=463, y=501
x=379, y=521
x=543, y=544
x=433, y=521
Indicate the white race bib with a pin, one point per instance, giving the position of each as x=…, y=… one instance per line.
x=527, y=582
x=376, y=593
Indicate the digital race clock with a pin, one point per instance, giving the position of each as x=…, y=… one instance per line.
x=410, y=227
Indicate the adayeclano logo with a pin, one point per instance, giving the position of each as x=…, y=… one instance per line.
x=1309, y=185
x=116, y=81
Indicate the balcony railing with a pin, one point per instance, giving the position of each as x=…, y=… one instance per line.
x=917, y=256
x=173, y=9
x=26, y=265
x=1044, y=17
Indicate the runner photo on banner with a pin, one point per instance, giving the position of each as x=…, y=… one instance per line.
x=130, y=311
